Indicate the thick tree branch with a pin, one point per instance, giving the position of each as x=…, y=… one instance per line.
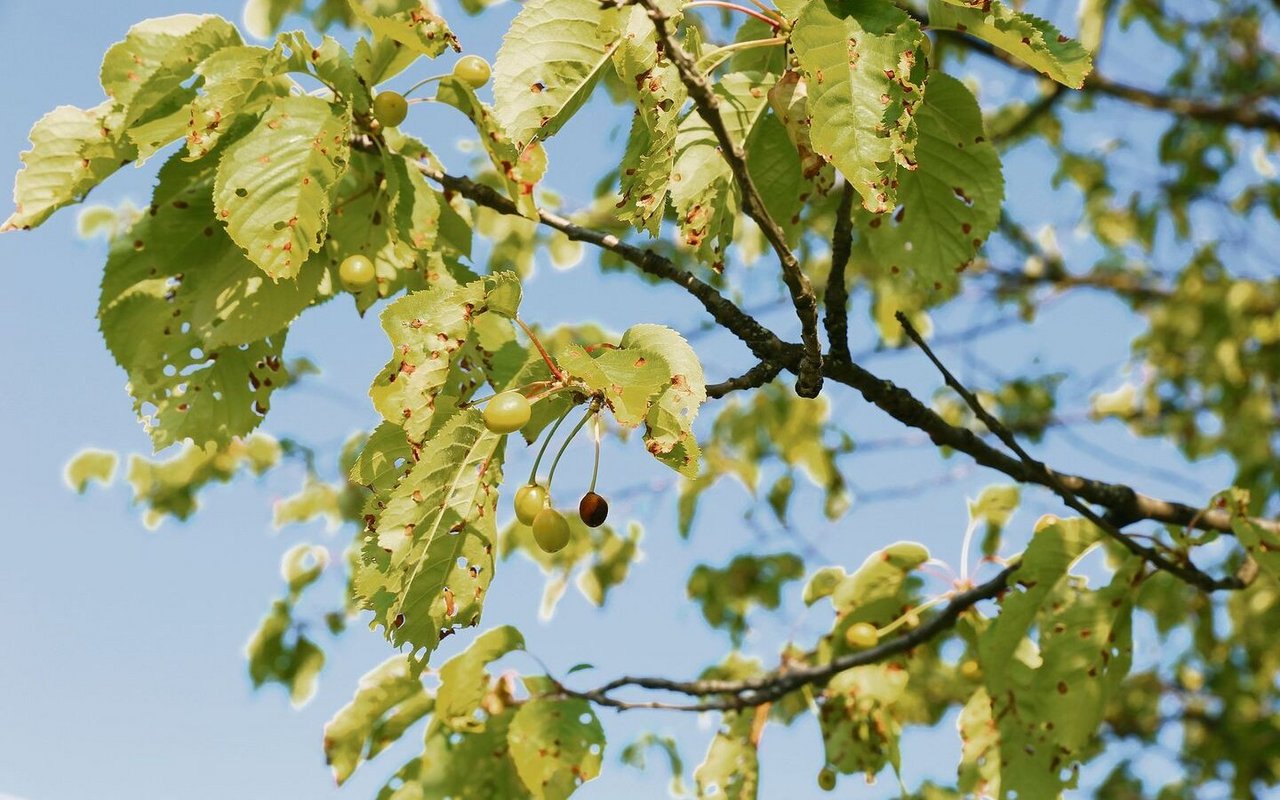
x=836, y=298
x=733, y=695
x=707, y=104
x=1188, y=572
x=753, y=378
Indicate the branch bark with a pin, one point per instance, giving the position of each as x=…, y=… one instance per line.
x=836, y=298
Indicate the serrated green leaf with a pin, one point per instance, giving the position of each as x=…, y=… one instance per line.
x=950, y=202
x=669, y=422
x=551, y=57
x=629, y=378
x=238, y=81
x=72, y=151
x=427, y=558
x=196, y=326
x=1026, y=37
x=865, y=72
x=556, y=745
x=88, y=465
x=448, y=766
x=387, y=691
x=789, y=99
x=464, y=680
x=274, y=186
x=519, y=169
x=157, y=57
x=420, y=29
x=429, y=332
x=703, y=191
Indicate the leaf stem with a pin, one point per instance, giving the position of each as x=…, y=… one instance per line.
x=914, y=612
x=716, y=57
x=556, y=371
x=595, y=467
x=533, y=473
x=591, y=409
x=770, y=21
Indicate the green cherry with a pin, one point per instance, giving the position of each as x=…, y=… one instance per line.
x=827, y=779
x=390, y=109
x=862, y=635
x=356, y=272
x=472, y=70
x=506, y=412
x=530, y=499
x=551, y=530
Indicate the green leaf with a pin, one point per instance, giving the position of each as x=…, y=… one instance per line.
x=315, y=499
x=995, y=506
x=551, y=57
x=419, y=29
x=463, y=766
x=865, y=72
x=860, y=729
x=1033, y=40
x=629, y=378
x=703, y=191
x=949, y=202
x=429, y=332
x=776, y=170
x=789, y=99
x=238, y=82
x=669, y=423
x=274, y=186
x=72, y=151
x=302, y=565
x=727, y=595
x=556, y=746
x=427, y=558
x=278, y=653
x=170, y=487
x=157, y=57
x=613, y=558
x=385, y=692
x=731, y=769
x=88, y=465
x=196, y=326
x=1260, y=543
x=634, y=755
x=464, y=680
x=520, y=169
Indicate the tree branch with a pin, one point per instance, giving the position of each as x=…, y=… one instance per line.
x=1110, y=524
x=707, y=104
x=836, y=298
x=753, y=378
x=756, y=691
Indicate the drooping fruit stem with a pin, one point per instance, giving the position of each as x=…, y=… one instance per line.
x=533, y=473
x=750, y=12
x=595, y=467
x=560, y=376
x=591, y=409
x=716, y=57
x=524, y=390
x=424, y=82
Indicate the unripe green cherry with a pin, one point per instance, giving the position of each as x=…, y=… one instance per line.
x=472, y=70
x=827, y=779
x=356, y=272
x=530, y=499
x=507, y=412
x=390, y=109
x=862, y=634
x=550, y=530
x=593, y=509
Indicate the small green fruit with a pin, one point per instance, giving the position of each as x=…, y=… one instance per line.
x=551, y=530
x=472, y=70
x=356, y=272
x=530, y=499
x=862, y=635
x=827, y=779
x=507, y=412
x=390, y=109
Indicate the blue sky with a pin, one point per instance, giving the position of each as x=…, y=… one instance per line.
x=121, y=669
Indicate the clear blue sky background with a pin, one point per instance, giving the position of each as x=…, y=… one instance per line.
x=121, y=650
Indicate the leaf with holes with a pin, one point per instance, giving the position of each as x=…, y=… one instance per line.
x=556, y=745
x=865, y=73
x=430, y=332
x=428, y=552
x=551, y=58
x=629, y=378
x=669, y=422
x=1026, y=37
x=464, y=680
x=275, y=185
x=731, y=769
x=703, y=190
x=950, y=202
x=72, y=151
